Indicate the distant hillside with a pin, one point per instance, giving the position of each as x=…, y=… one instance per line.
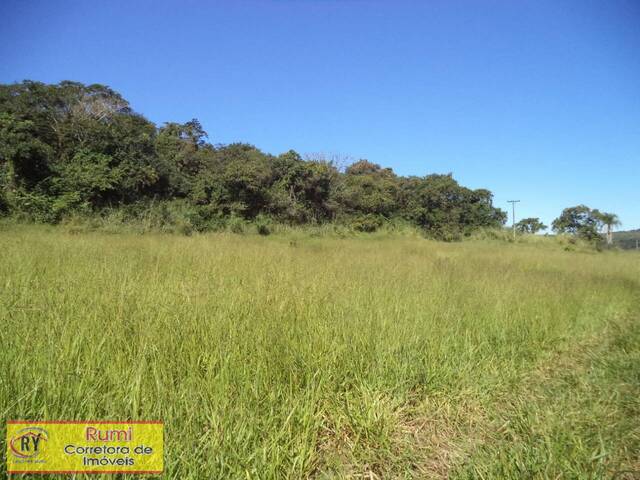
x=626, y=239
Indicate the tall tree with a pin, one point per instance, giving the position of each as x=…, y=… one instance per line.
x=182, y=153
x=579, y=220
x=609, y=220
x=447, y=210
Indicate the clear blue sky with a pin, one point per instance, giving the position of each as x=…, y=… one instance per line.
x=534, y=100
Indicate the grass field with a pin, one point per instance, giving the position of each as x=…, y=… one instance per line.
x=299, y=357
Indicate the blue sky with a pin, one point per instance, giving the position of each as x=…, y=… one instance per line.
x=534, y=100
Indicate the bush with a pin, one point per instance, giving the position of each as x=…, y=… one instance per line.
x=446, y=233
x=236, y=224
x=366, y=223
x=4, y=204
x=263, y=225
x=35, y=207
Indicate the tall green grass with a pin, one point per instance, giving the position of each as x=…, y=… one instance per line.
x=293, y=356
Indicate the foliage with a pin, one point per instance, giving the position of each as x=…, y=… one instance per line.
x=369, y=189
x=366, y=223
x=440, y=205
x=608, y=220
x=530, y=225
x=263, y=225
x=182, y=155
x=71, y=149
x=580, y=221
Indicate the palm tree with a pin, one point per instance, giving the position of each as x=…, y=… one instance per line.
x=609, y=220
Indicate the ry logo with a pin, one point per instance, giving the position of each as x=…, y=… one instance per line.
x=28, y=442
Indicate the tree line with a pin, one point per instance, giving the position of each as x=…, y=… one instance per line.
x=71, y=148
x=580, y=221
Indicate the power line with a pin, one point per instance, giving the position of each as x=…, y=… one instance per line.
x=513, y=215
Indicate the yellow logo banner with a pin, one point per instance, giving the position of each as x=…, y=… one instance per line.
x=85, y=447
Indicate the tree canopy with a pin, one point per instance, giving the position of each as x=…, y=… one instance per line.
x=71, y=148
x=530, y=225
x=580, y=220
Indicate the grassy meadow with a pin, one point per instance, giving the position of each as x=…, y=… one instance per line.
x=299, y=356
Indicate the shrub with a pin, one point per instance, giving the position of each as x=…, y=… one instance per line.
x=366, y=223
x=263, y=225
x=35, y=207
x=446, y=233
x=236, y=224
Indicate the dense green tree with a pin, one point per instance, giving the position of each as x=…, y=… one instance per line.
x=24, y=158
x=53, y=134
x=579, y=220
x=237, y=182
x=63, y=114
x=530, y=225
x=183, y=154
x=302, y=191
x=446, y=209
x=84, y=180
x=369, y=189
x=70, y=147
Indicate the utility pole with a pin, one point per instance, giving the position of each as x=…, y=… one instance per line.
x=513, y=215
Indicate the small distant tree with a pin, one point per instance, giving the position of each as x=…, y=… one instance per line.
x=530, y=225
x=608, y=220
x=580, y=221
